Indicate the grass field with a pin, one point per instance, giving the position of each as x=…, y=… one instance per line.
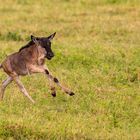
x=97, y=54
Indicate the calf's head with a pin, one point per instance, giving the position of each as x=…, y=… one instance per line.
x=45, y=42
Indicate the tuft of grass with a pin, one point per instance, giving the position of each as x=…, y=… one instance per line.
x=96, y=55
x=14, y=36
x=18, y=132
x=120, y=1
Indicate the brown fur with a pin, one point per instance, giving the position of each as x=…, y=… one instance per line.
x=20, y=63
x=30, y=59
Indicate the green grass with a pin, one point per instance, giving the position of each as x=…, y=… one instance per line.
x=97, y=54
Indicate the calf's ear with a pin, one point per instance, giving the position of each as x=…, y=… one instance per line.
x=34, y=39
x=51, y=36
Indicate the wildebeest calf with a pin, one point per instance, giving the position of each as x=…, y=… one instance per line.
x=30, y=59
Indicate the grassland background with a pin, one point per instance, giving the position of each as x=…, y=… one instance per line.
x=97, y=54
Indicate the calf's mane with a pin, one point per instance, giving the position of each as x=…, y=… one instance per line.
x=27, y=45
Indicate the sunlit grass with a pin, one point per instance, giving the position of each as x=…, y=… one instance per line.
x=96, y=55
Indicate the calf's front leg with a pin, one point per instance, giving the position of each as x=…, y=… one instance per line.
x=42, y=69
x=55, y=80
x=45, y=70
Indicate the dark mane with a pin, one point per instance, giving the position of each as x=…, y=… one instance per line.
x=27, y=45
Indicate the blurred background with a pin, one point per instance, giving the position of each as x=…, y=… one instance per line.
x=97, y=47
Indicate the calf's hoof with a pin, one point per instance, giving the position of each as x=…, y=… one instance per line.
x=71, y=94
x=54, y=94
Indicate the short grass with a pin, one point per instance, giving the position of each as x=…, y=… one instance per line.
x=97, y=54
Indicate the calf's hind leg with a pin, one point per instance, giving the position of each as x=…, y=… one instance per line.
x=22, y=89
x=4, y=85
